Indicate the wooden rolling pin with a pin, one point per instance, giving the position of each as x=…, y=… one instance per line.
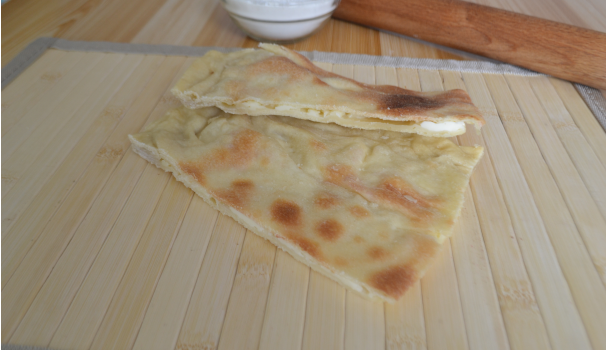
x=561, y=50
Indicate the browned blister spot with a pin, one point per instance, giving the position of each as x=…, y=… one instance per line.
x=317, y=145
x=395, y=280
x=393, y=90
x=326, y=200
x=340, y=175
x=195, y=170
x=408, y=104
x=398, y=102
x=401, y=194
x=319, y=82
x=243, y=185
x=425, y=248
x=276, y=65
x=240, y=152
x=359, y=212
x=358, y=239
x=238, y=195
x=286, y=212
x=377, y=253
x=393, y=191
x=330, y=229
x=310, y=247
x=454, y=96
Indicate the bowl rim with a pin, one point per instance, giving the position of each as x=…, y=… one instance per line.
x=291, y=21
x=292, y=4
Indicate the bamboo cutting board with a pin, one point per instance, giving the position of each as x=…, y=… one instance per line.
x=102, y=250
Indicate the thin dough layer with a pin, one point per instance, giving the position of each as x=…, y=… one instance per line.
x=368, y=209
x=278, y=81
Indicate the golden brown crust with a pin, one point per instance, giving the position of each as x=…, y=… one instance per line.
x=329, y=229
x=369, y=210
x=282, y=82
x=396, y=279
x=326, y=200
x=359, y=212
x=286, y=213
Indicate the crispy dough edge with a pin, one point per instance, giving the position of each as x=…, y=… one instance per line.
x=297, y=112
x=163, y=161
x=194, y=101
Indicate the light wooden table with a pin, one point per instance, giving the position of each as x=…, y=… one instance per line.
x=205, y=23
x=101, y=249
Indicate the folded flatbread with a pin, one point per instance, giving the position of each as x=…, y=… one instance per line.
x=278, y=81
x=368, y=209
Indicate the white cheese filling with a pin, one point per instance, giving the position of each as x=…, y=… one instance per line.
x=431, y=126
x=444, y=126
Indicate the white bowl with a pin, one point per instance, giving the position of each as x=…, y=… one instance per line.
x=280, y=21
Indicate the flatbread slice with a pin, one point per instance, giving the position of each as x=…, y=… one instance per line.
x=369, y=209
x=278, y=81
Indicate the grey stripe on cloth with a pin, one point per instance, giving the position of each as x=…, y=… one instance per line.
x=593, y=97
x=420, y=63
x=596, y=102
x=26, y=57
x=21, y=347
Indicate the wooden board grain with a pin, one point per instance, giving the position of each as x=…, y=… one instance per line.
x=564, y=51
x=119, y=21
x=248, y=298
x=104, y=250
x=519, y=308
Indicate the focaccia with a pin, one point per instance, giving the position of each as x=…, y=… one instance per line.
x=369, y=209
x=278, y=81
